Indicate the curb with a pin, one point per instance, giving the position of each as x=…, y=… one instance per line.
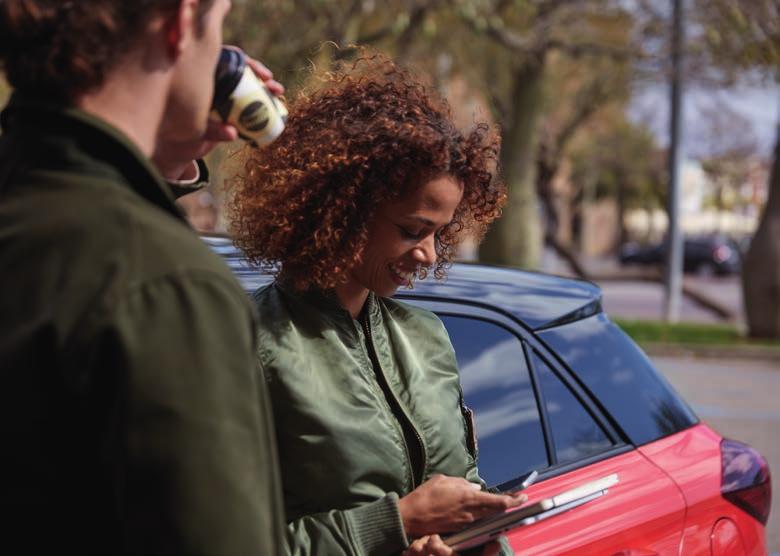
x=763, y=353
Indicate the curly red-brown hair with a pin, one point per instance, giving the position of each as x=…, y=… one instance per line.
x=368, y=133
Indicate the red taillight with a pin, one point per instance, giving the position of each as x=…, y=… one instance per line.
x=745, y=480
x=721, y=253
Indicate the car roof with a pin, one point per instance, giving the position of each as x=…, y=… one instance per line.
x=537, y=300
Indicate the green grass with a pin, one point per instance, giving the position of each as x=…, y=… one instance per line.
x=689, y=333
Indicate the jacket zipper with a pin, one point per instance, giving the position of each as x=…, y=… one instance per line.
x=381, y=393
x=385, y=386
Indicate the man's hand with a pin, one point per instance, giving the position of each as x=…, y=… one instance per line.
x=266, y=76
x=174, y=159
x=443, y=504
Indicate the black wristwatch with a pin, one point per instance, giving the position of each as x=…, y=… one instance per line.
x=185, y=187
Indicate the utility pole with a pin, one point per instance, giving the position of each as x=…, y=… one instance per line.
x=674, y=251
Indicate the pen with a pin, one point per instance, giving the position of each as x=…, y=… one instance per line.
x=529, y=480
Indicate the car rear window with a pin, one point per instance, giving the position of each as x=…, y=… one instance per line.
x=621, y=376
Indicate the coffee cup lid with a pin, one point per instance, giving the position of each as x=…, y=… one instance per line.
x=230, y=68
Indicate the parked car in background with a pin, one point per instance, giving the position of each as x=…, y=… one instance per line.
x=558, y=388
x=707, y=255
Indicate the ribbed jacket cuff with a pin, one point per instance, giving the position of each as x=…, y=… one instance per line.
x=377, y=527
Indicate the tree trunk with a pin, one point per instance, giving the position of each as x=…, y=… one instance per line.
x=516, y=238
x=761, y=269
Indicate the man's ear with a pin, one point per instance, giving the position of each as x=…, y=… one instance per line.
x=180, y=27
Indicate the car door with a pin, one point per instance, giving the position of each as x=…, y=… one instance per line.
x=531, y=413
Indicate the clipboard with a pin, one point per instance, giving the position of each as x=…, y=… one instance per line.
x=488, y=528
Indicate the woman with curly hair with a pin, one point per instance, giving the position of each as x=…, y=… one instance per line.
x=370, y=187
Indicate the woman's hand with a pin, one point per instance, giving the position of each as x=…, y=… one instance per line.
x=444, y=504
x=431, y=545
x=174, y=159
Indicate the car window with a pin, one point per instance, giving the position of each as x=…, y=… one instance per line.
x=497, y=388
x=575, y=433
x=616, y=371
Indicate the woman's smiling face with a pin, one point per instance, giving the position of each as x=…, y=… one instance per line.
x=401, y=240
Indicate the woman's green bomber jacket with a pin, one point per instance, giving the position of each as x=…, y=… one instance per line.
x=342, y=449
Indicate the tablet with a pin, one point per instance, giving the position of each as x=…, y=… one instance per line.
x=488, y=528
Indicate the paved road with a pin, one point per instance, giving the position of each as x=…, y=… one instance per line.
x=740, y=400
x=645, y=300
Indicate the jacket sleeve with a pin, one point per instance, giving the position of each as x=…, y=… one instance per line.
x=373, y=529
x=194, y=462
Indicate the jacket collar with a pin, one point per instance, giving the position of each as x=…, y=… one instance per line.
x=327, y=302
x=86, y=134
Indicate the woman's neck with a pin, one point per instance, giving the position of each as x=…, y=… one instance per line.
x=352, y=297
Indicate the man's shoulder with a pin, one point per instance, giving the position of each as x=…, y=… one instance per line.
x=95, y=226
x=273, y=310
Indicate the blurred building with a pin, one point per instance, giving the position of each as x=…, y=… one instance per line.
x=735, y=212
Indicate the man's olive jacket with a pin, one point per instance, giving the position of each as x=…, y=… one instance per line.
x=134, y=419
x=366, y=410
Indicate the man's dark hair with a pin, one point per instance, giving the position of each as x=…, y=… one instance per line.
x=65, y=48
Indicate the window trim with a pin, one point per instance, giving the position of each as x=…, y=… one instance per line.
x=558, y=470
x=549, y=447
x=582, y=394
x=476, y=306
x=529, y=341
x=552, y=457
x=580, y=397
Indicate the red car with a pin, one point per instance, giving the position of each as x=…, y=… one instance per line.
x=558, y=388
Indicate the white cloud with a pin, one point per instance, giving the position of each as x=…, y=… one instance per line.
x=508, y=412
x=499, y=366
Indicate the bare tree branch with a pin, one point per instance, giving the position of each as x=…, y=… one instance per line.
x=589, y=100
x=576, y=50
x=538, y=46
x=345, y=22
x=416, y=19
x=568, y=255
x=548, y=8
x=502, y=35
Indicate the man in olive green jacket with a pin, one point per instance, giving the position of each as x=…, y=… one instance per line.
x=133, y=416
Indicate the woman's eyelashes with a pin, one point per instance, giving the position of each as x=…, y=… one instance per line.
x=422, y=233
x=412, y=234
